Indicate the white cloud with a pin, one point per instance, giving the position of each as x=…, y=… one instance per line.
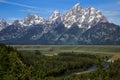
x=17, y=4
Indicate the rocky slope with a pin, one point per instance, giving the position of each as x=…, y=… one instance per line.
x=77, y=26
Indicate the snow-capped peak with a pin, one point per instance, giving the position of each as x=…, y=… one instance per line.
x=55, y=18
x=76, y=9
x=77, y=6
x=71, y=16
x=3, y=24
x=31, y=20
x=85, y=18
x=55, y=15
x=36, y=16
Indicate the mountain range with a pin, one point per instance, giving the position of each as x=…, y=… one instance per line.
x=77, y=26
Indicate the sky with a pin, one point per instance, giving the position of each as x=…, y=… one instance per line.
x=18, y=9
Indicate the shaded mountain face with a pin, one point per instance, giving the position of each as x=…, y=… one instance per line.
x=102, y=33
x=77, y=26
x=71, y=35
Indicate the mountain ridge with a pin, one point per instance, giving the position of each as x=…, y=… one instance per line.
x=74, y=14
x=74, y=27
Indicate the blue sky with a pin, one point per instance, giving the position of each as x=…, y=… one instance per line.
x=18, y=9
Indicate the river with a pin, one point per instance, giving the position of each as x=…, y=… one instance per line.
x=92, y=68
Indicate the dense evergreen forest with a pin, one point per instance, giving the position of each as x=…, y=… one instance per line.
x=16, y=65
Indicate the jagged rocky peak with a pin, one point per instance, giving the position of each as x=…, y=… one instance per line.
x=72, y=15
x=85, y=18
x=3, y=24
x=16, y=22
x=76, y=8
x=55, y=18
x=32, y=19
x=95, y=14
x=56, y=14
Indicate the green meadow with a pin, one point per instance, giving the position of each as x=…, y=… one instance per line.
x=92, y=49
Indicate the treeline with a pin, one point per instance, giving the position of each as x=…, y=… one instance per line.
x=25, y=65
x=110, y=73
x=34, y=66
x=60, y=65
x=11, y=66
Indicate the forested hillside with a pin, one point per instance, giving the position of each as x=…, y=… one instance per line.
x=11, y=65
x=16, y=65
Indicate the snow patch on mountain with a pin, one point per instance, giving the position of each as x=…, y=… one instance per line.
x=85, y=18
x=3, y=24
x=37, y=26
